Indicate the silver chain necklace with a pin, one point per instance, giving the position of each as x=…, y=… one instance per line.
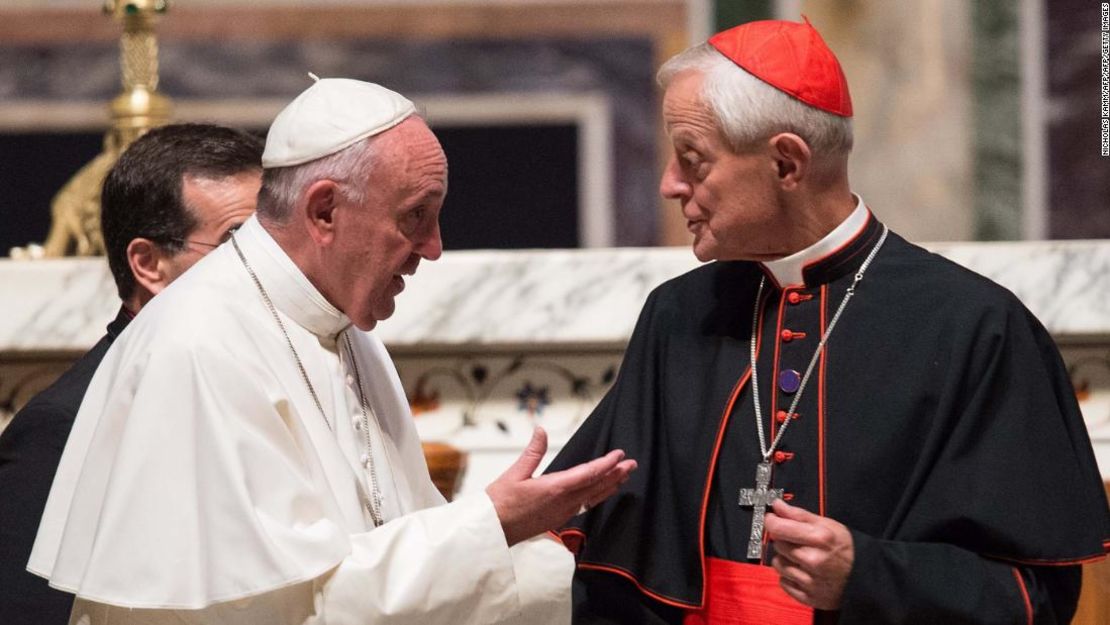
x=373, y=503
x=762, y=496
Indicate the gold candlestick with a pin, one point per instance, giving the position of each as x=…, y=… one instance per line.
x=75, y=210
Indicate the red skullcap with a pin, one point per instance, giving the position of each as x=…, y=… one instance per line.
x=790, y=57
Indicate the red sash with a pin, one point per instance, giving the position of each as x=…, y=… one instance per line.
x=746, y=594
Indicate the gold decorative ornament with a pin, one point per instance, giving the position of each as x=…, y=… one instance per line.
x=75, y=210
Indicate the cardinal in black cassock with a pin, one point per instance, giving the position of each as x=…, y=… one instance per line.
x=912, y=421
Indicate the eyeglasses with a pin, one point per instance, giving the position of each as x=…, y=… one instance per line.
x=211, y=246
x=203, y=243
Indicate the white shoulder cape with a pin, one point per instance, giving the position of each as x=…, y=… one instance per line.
x=198, y=470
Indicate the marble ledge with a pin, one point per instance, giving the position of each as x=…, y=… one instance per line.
x=555, y=299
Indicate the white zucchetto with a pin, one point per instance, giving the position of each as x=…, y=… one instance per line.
x=332, y=114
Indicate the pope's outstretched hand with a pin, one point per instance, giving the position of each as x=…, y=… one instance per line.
x=528, y=505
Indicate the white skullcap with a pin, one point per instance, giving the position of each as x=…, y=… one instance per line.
x=332, y=114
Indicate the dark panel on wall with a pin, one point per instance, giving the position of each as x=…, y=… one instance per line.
x=33, y=167
x=510, y=187
x=1078, y=176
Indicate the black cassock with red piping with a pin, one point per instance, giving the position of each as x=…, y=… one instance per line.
x=939, y=425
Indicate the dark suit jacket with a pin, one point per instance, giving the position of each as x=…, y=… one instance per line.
x=30, y=448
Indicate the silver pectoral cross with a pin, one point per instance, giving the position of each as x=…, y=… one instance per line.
x=759, y=498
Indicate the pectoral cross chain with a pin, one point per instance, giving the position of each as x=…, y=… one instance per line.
x=759, y=498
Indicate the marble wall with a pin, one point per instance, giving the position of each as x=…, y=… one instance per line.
x=489, y=344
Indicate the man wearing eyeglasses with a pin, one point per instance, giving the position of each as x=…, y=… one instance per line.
x=175, y=194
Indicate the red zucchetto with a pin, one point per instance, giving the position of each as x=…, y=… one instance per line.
x=792, y=58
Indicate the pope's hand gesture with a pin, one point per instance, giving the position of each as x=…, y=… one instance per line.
x=528, y=505
x=813, y=555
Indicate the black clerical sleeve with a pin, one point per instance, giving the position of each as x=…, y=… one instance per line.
x=1013, y=456
x=942, y=430
x=30, y=449
x=928, y=583
x=683, y=369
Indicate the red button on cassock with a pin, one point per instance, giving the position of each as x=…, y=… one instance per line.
x=783, y=456
x=794, y=297
x=780, y=416
x=787, y=336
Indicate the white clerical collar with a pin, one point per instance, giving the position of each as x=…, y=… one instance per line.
x=788, y=271
x=289, y=289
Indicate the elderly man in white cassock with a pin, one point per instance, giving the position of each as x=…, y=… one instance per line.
x=246, y=454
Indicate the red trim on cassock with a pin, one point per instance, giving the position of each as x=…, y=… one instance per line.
x=1046, y=562
x=774, y=388
x=1024, y=597
x=746, y=594
x=775, y=365
x=713, y=465
x=840, y=248
x=717, y=448
x=821, y=412
x=573, y=539
x=608, y=568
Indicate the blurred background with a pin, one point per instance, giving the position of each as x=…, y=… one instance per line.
x=974, y=120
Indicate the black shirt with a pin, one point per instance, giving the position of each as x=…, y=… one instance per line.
x=30, y=448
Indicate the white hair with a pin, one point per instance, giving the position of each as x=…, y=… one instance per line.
x=283, y=186
x=749, y=110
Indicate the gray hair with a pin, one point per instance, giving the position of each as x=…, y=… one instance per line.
x=283, y=186
x=749, y=110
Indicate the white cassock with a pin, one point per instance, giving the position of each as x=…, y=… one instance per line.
x=201, y=484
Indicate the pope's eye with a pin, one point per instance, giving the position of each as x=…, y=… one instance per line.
x=414, y=218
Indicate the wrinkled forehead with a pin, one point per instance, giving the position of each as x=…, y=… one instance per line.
x=685, y=110
x=212, y=196
x=413, y=143
x=411, y=157
x=684, y=93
